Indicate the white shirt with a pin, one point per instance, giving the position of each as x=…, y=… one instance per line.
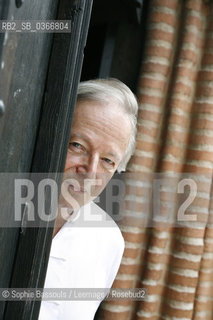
x=85, y=253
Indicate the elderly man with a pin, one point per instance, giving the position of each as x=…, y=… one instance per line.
x=101, y=142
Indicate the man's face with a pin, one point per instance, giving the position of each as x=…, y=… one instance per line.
x=99, y=137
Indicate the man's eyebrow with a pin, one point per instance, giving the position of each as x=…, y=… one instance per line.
x=78, y=135
x=114, y=155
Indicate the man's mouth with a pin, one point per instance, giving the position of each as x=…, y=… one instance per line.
x=77, y=189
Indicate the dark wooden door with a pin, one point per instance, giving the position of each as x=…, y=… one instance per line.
x=39, y=74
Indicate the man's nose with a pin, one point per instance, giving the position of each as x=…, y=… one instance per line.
x=90, y=168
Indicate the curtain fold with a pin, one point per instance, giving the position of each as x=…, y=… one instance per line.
x=171, y=253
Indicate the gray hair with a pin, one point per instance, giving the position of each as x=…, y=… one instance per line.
x=104, y=90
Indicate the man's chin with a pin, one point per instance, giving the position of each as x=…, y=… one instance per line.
x=75, y=200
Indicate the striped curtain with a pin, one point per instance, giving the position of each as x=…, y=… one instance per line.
x=173, y=261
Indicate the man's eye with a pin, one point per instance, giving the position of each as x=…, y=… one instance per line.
x=76, y=145
x=108, y=161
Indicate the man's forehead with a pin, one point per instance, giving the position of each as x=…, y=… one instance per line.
x=102, y=103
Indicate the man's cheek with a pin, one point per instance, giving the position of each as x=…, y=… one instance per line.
x=68, y=162
x=71, y=162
